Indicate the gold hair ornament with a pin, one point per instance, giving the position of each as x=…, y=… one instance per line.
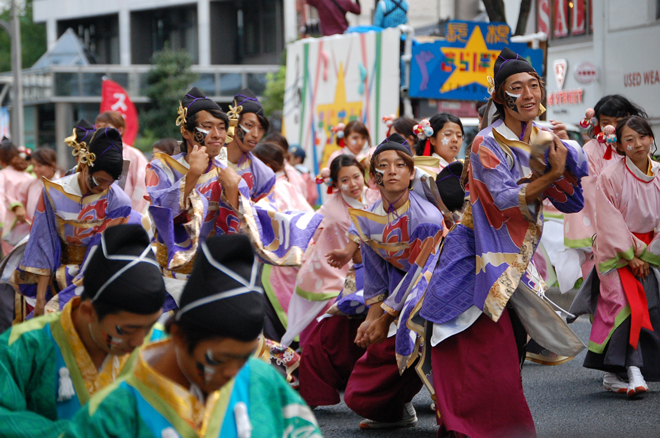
x=182, y=114
x=233, y=114
x=83, y=155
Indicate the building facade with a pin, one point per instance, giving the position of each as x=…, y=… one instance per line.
x=601, y=47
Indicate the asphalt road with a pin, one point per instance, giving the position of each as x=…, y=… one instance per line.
x=566, y=401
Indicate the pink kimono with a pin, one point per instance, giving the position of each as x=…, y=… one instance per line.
x=318, y=283
x=279, y=282
x=11, y=181
x=136, y=187
x=31, y=192
x=626, y=315
x=580, y=227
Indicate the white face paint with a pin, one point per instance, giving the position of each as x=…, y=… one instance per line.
x=630, y=148
x=203, y=131
x=353, y=142
x=382, y=172
x=209, y=371
x=344, y=187
x=515, y=96
x=445, y=141
x=243, y=128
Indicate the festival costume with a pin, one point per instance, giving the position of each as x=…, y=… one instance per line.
x=67, y=224
x=626, y=318
x=221, y=298
x=279, y=282
x=33, y=356
x=580, y=227
x=31, y=191
x=484, y=273
x=11, y=182
x=148, y=405
x=318, y=283
x=46, y=371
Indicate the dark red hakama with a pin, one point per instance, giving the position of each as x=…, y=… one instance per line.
x=328, y=357
x=375, y=389
x=477, y=381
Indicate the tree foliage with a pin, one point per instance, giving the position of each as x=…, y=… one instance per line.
x=273, y=99
x=33, y=38
x=167, y=82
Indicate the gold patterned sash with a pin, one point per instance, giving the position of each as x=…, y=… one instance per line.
x=72, y=255
x=161, y=256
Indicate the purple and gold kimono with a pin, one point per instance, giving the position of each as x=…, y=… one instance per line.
x=259, y=178
x=67, y=225
x=490, y=252
x=183, y=224
x=399, y=252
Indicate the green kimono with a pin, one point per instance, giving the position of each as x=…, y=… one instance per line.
x=34, y=357
x=148, y=405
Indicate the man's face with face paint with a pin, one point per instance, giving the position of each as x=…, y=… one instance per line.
x=522, y=93
x=210, y=132
x=120, y=333
x=249, y=132
x=213, y=362
x=392, y=173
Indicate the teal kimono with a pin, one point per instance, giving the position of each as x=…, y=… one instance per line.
x=34, y=357
x=148, y=405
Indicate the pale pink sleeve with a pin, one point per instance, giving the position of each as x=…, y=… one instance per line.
x=615, y=245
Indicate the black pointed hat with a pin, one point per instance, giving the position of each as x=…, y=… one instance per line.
x=222, y=295
x=195, y=101
x=123, y=271
x=82, y=132
x=105, y=152
x=509, y=63
x=449, y=186
x=394, y=142
x=249, y=102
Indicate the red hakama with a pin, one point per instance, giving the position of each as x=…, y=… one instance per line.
x=375, y=389
x=477, y=381
x=328, y=358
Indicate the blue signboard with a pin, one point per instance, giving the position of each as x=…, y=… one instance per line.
x=457, y=67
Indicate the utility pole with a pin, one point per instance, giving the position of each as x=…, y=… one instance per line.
x=14, y=31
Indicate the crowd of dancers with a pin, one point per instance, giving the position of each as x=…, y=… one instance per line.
x=203, y=294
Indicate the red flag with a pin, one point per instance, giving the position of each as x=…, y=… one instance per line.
x=115, y=98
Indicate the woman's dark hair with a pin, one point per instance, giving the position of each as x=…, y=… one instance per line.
x=499, y=95
x=278, y=139
x=343, y=160
x=617, y=106
x=191, y=124
x=271, y=154
x=262, y=120
x=45, y=157
x=404, y=126
x=407, y=159
x=10, y=156
x=438, y=122
x=637, y=124
x=169, y=146
x=356, y=126
x=191, y=333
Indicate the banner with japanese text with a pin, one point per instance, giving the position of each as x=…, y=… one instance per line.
x=457, y=67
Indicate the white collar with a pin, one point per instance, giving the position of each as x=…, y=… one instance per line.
x=354, y=203
x=642, y=175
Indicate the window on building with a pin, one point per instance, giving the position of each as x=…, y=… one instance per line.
x=564, y=18
x=152, y=30
x=100, y=35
